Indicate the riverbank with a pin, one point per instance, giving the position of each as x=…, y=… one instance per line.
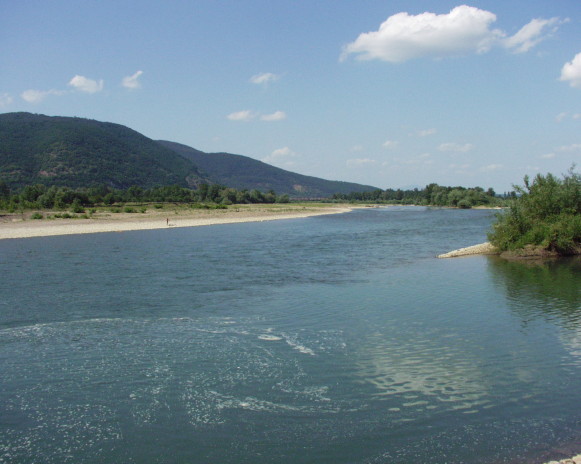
x=573, y=460
x=23, y=226
x=481, y=249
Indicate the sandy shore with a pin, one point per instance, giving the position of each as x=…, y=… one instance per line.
x=21, y=226
x=573, y=460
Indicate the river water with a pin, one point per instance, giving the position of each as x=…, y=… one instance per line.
x=330, y=339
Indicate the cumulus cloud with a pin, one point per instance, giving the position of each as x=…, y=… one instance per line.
x=560, y=117
x=404, y=37
x=360, y=162
x=264, y=78
x=456, y=147
x=132, y=82
x=464, y=30
x=390, y=144
x=244, y=115
x=571, y=71
x=531, y=34
x=36, y=96
x=281, y=156
x=85, y=84
x=5, y=100
x=276, y=116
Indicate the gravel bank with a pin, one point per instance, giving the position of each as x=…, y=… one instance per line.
x=481, y=249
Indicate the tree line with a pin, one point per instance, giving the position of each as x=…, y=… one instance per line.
x=40, y=196
x=431, y=195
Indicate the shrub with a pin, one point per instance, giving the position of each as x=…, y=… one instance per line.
x=128, y=209
x=37, y=216
x=545, y=214
x=77, y=207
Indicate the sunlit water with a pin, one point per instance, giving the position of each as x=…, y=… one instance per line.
x=333, y=339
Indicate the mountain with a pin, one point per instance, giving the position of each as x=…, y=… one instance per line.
x=77, y=152
x=242, y=172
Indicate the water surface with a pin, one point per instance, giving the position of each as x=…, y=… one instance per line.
x=332, y=339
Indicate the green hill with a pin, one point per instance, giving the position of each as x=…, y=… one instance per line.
x=242, y=172
x=76, y=152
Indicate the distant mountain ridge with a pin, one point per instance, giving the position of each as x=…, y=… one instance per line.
x=242, y=172
x=78, y=152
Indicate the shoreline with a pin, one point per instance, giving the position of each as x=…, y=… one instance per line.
x=485, y=248
x=17, y=227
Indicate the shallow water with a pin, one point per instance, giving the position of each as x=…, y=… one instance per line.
x=332, y=339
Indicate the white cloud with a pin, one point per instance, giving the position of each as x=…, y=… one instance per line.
x=36, y=96
x=132, y=82
x=491, y=168
x=560, y=117
x=85, y=84
x=360, y=162
x=576, y=116
x=390, y=144
x=572, y=71
x=276, y=116
x=5, y=100
x=456, y=147
x=530, y=34
x=547, y=156
x=245, y=115
x=426, y=132
x=264, y=78
x=464, y=30
x=572, y=147
x=357, y=148
x=404, y=37
x=281, y=157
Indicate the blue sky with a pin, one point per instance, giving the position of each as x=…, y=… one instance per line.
x=394, y=94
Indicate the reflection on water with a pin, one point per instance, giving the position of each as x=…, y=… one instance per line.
x=549, y=289
x=425, y=370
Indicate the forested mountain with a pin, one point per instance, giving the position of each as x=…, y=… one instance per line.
x=241, y=172
x=77, y=152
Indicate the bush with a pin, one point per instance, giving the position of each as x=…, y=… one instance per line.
x=128, y=209
x=77, y=207
x=37, y=216
x=546, y=214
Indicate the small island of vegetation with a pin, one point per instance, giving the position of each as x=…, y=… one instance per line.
x=543, y=219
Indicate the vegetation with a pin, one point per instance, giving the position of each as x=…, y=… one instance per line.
x=77, y=153
x=77, y=201
x=431, y=195
x=544, y=215
x=244, y=173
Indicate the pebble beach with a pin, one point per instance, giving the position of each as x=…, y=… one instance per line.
x=13, y=226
